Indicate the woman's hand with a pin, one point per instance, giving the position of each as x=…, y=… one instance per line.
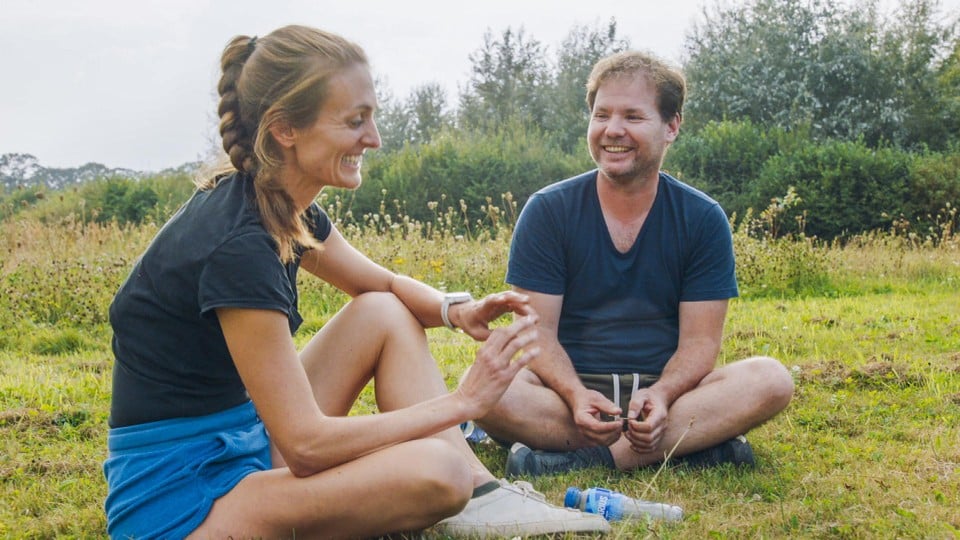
x=497, y=363
x=474, y=317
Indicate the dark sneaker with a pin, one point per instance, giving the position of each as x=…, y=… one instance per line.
x=522, y=461
x=736, y=451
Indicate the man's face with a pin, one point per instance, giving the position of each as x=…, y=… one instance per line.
x=626, y=136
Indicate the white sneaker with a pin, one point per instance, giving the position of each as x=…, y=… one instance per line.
x=517, y=510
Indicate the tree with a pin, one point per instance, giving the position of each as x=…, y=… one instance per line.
x=17, y=169
x=921, y=48
x=508, y=79
x=853, y=82
x=948, y=81
x=750, y=62
x=567, y=113
x=392, y=120
x=416, y=120
x=427, y=105
x=845, y=73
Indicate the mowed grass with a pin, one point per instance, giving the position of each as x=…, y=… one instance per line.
x=869, y=447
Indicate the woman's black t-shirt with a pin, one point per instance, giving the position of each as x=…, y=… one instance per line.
x=171, y=359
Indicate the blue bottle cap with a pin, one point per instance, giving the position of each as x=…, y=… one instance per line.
x=572, y=498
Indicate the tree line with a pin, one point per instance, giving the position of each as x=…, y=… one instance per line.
x=852, y=111
x=856, y=111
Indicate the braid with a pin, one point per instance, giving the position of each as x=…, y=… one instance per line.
x=280, y=216
x=237, y=140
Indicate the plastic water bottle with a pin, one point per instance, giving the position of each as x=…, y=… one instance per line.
x=472, y=432
x=615, y=506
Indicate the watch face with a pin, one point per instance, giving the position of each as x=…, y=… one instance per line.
x=458, y=297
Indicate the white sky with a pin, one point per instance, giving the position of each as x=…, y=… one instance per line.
x=131, y=83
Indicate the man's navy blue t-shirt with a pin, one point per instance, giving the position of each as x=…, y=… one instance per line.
x=620, y=311
x=171, y=359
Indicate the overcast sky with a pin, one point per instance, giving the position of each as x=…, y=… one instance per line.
x=130, y=83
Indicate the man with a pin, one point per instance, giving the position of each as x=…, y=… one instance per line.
x=631, y=272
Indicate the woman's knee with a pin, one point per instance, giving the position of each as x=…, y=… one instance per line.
x=383, y=310
x=445, y=480
x=374, y=303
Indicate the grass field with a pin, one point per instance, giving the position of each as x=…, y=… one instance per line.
x=869, y=447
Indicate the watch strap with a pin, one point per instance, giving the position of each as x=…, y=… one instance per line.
x=450, y=299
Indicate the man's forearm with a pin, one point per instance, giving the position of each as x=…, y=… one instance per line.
x=683, y=373
x=701, y=331
x=555, y=370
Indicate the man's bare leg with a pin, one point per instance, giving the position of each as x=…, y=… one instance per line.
x=728, y=402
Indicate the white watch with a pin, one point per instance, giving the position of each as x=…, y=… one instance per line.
x=450, y=299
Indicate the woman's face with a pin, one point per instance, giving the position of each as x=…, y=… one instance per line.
x=329, y=152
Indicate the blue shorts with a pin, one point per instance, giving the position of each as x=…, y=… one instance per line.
x=163, y=477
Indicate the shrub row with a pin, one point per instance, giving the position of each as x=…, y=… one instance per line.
x=843, y=188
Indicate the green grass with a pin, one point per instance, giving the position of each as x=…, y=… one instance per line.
x=869, y=447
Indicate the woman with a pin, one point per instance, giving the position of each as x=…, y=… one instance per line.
x=219, y=427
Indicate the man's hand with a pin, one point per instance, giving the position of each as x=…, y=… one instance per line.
x=474, y=317
x=587, y=408
x=647, y=420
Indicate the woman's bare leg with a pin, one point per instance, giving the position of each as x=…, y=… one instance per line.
x=408, y=486
x=376, y=336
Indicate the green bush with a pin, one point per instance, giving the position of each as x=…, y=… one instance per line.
x=20, y=199
x=124, y=200
x=846, y=187
x=934, y=188
x=723, y=159
x=463, y=166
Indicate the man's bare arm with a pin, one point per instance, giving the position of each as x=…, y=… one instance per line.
x=555, y=369
x=701, y=329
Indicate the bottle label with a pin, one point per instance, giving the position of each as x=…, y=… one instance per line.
x=602, y=505
x=599, y=503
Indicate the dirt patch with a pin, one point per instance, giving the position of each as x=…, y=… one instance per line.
x=11, y=417
x=879, y=372
x=884, y=372
x=826, y=372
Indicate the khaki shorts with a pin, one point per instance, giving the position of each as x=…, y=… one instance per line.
x=617, y=387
